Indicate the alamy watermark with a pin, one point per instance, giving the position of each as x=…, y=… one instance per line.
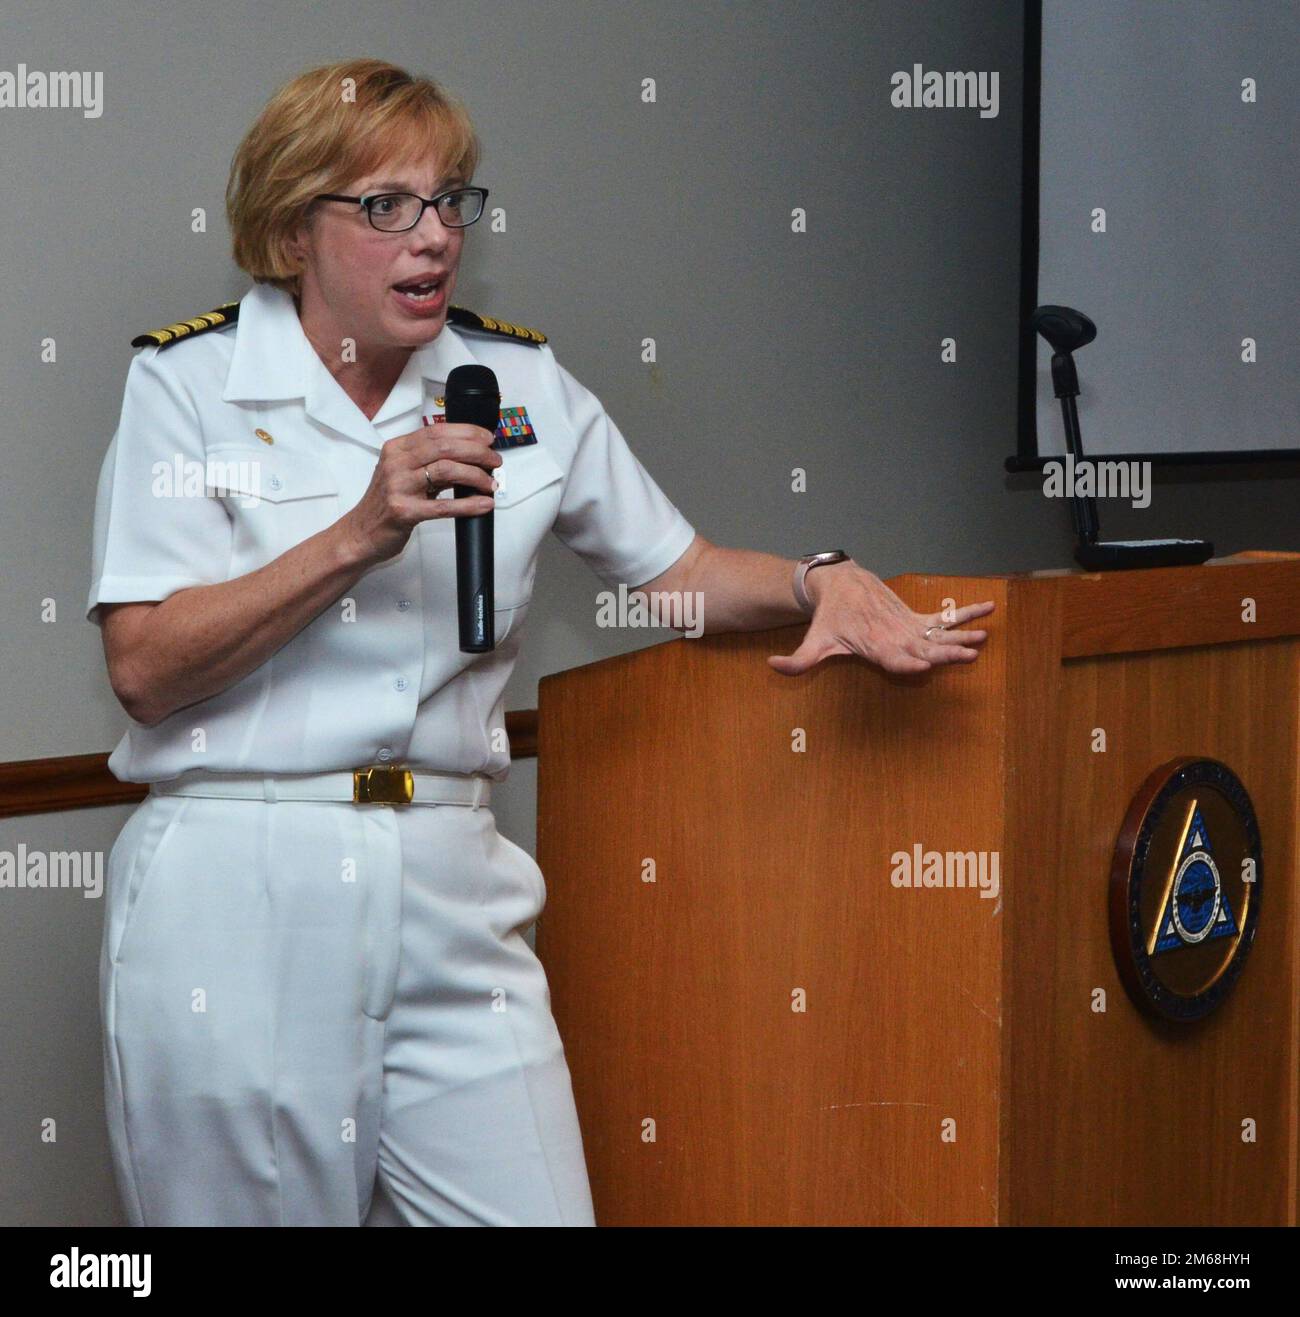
x=683, y=610
x=102, y=1271
x=1089, y=479
x=920, y=868
x=36, y=90
x=24, y=868
x=949, y=90
x=187, y=478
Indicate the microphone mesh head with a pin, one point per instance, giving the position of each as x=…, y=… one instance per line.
x=472, y=379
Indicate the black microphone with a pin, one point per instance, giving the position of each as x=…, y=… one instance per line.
x=473, y=398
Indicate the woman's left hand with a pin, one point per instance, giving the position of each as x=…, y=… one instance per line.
x=855, y=612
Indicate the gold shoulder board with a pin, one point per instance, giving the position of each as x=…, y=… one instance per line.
x=464, y=318
x=226, y=314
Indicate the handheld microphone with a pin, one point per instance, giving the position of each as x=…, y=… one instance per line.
x=473, y=398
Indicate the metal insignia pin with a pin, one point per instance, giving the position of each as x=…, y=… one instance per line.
x=264, y=437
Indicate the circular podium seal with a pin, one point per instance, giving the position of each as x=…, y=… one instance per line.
x=1185, y=884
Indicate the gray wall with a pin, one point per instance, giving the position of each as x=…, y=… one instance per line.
x=625, y=221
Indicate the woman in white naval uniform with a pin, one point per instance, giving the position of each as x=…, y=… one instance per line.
x=313, y=969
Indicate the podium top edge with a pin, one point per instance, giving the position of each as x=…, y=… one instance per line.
x=1247, y=557
x=1082, y=614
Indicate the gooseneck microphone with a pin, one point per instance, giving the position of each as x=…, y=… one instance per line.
x=1067, y=329
x=473, y=398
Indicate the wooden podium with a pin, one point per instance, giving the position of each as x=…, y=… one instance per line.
x=773, y=1032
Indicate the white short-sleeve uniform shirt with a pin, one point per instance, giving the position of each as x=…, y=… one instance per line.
x=190, y=494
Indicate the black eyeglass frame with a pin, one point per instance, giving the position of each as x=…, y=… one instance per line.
x=425, y=203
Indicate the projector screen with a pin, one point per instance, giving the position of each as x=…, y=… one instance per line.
x=1161, y=167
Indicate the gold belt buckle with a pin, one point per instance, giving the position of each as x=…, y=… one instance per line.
x=382, y=784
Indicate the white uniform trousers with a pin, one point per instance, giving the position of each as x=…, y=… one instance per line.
x=300, y=996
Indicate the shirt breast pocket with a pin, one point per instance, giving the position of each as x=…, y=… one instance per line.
x=275, y=499
x=527, y=501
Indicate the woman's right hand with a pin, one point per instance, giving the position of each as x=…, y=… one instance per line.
x=399, y=498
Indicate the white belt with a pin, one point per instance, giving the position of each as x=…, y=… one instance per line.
x=376, y=784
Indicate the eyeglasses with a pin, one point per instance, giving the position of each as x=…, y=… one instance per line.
x=394, y=212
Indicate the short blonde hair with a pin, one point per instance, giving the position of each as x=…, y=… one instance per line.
x=318, y=133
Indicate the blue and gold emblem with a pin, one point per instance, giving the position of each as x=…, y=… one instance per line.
x=1196, y=907
x=1185, y=888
